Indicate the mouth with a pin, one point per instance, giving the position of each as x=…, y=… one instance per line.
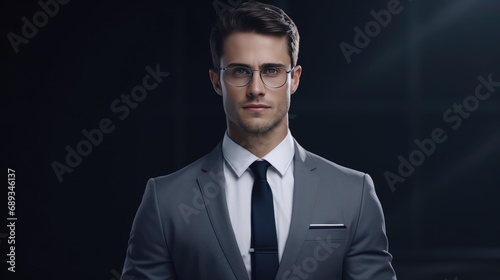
x=256, y=107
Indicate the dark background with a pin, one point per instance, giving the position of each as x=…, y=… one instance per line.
x=442, y=221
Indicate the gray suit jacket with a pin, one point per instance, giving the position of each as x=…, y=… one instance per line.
x=182, y=228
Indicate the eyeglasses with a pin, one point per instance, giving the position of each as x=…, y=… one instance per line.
x=240, y=76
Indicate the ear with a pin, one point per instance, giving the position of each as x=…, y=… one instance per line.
x=295, y=80
x=214, y=78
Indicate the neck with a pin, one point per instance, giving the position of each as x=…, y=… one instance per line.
x=259, y=144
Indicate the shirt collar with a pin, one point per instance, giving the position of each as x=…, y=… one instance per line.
x=240, y=158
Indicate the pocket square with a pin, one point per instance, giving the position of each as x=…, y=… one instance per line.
x=326, y=226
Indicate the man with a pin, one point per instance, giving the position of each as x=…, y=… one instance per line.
x=258, y=206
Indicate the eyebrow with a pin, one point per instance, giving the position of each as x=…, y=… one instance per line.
x=264, y=65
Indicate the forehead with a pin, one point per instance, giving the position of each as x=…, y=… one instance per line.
x=255, y=49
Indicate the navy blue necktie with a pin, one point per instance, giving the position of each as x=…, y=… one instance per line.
x=264, y=251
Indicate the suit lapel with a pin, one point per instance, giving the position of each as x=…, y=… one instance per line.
x=212, y=186
x=304, y=196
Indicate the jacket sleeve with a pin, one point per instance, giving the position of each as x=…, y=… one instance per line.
x=368, y=256
x=147, y=253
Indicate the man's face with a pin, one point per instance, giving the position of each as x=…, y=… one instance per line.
x=256, y=108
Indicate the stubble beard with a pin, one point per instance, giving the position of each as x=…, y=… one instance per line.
x=262, y=127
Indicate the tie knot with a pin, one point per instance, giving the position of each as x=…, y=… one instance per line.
x=259, y=168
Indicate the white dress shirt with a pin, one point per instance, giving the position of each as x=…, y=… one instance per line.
x=239, y=183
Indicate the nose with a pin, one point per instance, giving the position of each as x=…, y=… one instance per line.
x=256, y=86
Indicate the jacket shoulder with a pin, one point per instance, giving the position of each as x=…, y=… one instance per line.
x=329, y=167
x=186, y=177
x=340, y=180
x=187, y=170
x=179, y=181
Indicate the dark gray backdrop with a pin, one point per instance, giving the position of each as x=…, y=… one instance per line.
x=400, y=86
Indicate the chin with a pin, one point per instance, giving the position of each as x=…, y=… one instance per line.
x=258, y=127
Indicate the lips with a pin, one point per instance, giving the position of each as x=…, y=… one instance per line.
x=256, y=107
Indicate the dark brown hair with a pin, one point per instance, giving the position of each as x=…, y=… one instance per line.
x=255, y=17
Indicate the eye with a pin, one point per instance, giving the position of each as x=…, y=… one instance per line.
x=241, y=71
x=271, y=71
